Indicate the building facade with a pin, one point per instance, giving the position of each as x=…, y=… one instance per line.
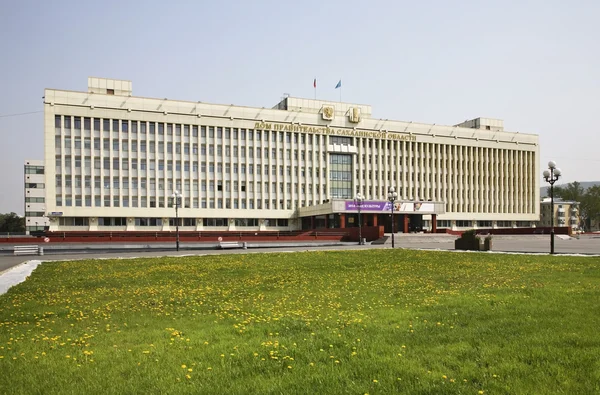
x=35, y=196
x=113, y=161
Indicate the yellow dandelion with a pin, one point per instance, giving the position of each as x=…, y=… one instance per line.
x=187, y=376
x=183, y=366
x=289, y=367
x=444, y=377
x=375, y=381
x=480, y=392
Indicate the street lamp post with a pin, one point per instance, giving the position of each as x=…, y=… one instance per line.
x=176, y=199
x=392, y=195
x=359, y=199
x=551, y=175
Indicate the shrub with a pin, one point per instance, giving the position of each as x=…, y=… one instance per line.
x=468, y=241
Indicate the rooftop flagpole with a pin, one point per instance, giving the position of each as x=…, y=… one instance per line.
x=339, y=85
x=315, y=86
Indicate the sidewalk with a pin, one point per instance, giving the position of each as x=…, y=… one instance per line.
x=16, y=274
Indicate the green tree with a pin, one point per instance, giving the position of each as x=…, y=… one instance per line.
x=12, y=223
x=590, y=205
x=572, y=191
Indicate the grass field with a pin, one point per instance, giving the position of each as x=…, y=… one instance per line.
x=378, y=321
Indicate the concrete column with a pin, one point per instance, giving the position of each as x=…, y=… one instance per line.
x=342, y=221
x=405, y=223
x=433, y=223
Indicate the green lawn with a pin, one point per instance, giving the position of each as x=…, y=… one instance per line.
x=378, y=321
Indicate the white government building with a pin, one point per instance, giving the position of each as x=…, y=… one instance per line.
x=113, y=161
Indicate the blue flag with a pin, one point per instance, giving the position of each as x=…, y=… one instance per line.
x=339, y=84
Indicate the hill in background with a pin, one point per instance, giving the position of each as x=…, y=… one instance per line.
x=544, y=191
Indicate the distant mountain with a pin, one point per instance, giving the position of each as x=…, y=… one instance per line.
x=585, y=184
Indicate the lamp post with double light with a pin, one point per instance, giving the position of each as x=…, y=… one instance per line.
x=392, y=195
x=176, y=199
x=358, y=200
x=551, y=175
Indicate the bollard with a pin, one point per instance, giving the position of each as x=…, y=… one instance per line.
x=245, y=246
x=41, y=251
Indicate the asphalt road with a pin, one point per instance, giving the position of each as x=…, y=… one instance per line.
x=586, y=244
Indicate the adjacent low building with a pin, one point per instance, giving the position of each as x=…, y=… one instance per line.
x=113, y=161
x=35, y=196
x=565, y=213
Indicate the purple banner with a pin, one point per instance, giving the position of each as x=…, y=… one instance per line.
x=369, y=206
x=400, y=207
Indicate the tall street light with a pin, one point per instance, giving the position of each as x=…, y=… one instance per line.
x=359, y=199
x=551, y=175
x=176, y=199
x=392, y=195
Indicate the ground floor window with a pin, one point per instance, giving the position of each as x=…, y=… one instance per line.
x=148, y=222
x=73, y=221
x=110, y=221
x=214, y=221
x=246, y=222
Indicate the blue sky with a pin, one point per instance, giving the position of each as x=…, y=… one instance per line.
x=534, y=64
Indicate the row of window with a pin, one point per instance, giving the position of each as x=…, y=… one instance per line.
x=482, y=224
x=178, y=148
x=34, y=213
x=161, y=165
x=34, y=185
x=218, y=185
x=67, y=123
x=141, y=222
x=30, y=169
x=162, y=202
